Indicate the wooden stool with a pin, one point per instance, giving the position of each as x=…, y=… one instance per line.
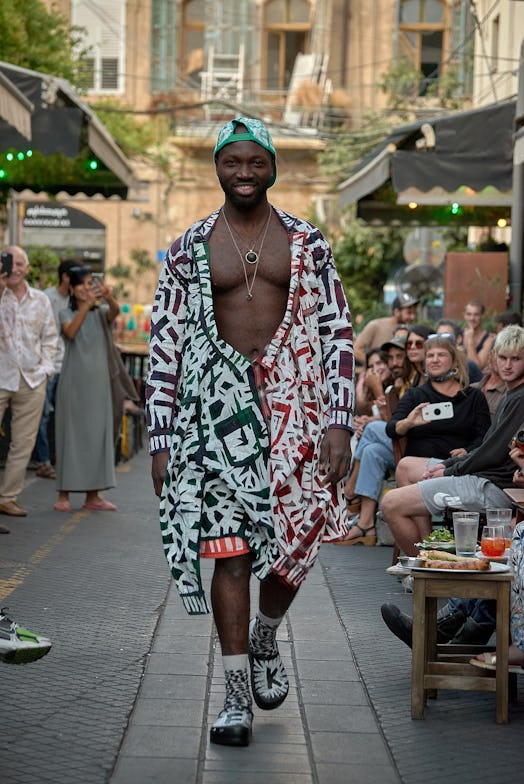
x=442, y=667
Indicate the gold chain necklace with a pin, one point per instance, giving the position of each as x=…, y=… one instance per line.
x=251, y=256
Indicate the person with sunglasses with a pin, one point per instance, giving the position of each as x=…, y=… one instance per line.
x=415, y=351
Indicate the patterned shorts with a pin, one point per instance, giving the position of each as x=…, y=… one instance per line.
x=223, y=522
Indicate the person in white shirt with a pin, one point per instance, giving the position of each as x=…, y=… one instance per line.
x=28, y=344
x=59, y=298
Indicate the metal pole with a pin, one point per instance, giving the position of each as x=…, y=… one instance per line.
x=516, y=256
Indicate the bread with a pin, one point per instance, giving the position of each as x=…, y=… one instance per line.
x=437, y=559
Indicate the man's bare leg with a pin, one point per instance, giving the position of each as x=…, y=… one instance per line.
x=230, y=602
x=406, y=528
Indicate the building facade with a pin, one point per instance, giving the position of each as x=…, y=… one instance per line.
x=307, y=67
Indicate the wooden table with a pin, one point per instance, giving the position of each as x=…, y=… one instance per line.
x=445, y=666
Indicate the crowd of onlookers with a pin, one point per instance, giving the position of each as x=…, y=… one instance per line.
x=439, y=408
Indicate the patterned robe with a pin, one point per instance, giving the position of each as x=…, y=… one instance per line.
x=256, y=427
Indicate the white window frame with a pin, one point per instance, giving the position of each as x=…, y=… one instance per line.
x=104, y=27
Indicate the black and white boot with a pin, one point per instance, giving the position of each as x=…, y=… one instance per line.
x=233, y=726
x=269, y=681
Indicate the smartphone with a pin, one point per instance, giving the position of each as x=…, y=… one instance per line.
x=6, y=260
x=98, y=279
x=437, y=411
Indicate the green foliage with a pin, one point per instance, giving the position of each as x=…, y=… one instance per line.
x=32, y=36
x=402, y=85
x=53, y=173
x=134, y=136
x=43, y=267
x=364, y=257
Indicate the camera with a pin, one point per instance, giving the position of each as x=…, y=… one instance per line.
x=6, y=260
x=437, y=411
x=518, y=441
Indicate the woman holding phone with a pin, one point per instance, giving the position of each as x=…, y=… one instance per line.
x=84, y=416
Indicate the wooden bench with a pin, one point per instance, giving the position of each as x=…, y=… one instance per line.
x=444, y=667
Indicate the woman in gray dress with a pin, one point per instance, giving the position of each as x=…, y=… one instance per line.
x=84, y=416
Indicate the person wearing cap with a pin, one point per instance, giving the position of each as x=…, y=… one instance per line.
x=375, y=456
x=378, y=331
x=249, y=408
x=28, y=345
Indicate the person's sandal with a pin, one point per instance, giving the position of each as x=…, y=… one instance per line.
x=367, y=539
x=46, y=471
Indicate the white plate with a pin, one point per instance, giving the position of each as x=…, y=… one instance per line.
x=495, y=568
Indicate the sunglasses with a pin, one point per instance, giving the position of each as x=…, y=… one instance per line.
x=447, y=335
x=415, y=344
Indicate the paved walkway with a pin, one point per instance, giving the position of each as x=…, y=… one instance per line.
x=132, y=684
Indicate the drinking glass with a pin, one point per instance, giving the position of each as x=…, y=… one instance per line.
x=492, y=541
x=465, y=529
x=501, y=517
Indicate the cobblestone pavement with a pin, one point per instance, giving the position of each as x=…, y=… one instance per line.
x=132, y=684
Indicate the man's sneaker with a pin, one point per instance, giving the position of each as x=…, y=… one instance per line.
x=18, y=645
x=233, y=726
x=269, y=682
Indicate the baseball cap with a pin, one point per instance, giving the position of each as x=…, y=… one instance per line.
x=405, y=300
x=398, y=342
x=256, y=132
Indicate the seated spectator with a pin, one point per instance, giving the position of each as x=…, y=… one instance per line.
x=478, y=342
x=371, y=385
x=450, y=329
x=415, y=348
x=447, y=382
x=474, y=481
x=491, y=384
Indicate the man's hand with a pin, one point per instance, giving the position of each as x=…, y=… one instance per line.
x=434, y=471
x=335, y=454
x=159, y=464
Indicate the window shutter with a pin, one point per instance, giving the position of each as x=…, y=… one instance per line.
x=104, y=25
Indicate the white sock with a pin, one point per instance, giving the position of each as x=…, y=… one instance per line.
x=237, y=662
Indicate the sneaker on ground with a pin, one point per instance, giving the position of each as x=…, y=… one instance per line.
x=269, y=681
x=233, y=726
x=18, y=645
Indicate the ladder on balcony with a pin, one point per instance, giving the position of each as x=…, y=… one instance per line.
x=223, y=80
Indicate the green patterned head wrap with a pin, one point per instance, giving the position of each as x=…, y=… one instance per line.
x=256, y=132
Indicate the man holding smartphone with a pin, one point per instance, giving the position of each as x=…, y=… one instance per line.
x=28, y=344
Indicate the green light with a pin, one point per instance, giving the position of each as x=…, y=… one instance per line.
x=29, y=153
x=92, y=164
x=10, y=156
x=3, y=174
x=20, y=156
x=455, y=208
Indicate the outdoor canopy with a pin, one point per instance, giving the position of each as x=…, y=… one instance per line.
x=466, y=157
x=60, y=122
